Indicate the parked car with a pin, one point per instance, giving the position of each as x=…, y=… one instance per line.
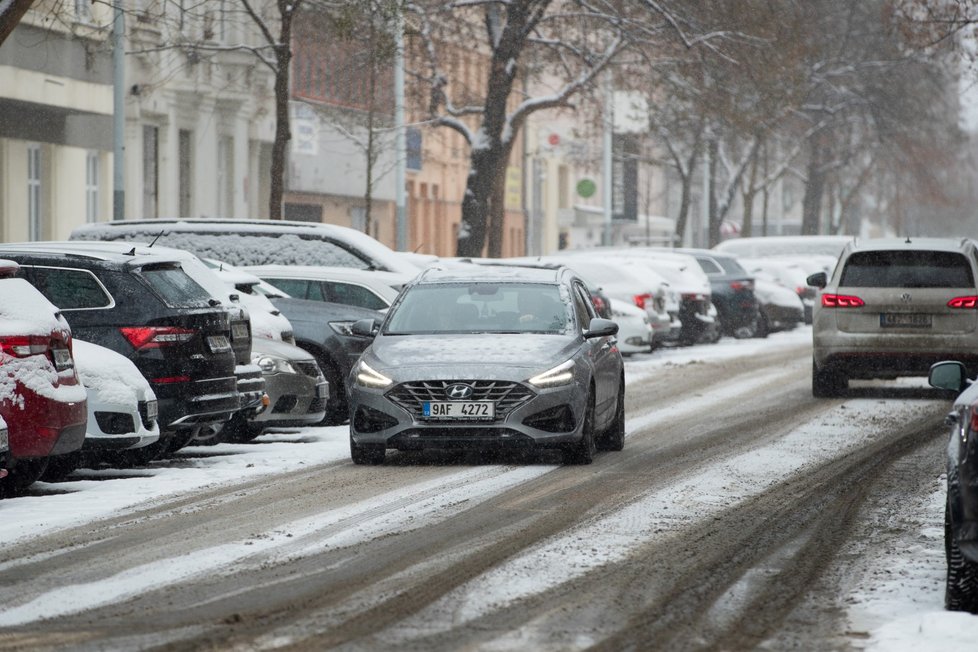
x=325, y=330
x=267, y=321
x=779, y=309
x=785, y=245
x=297, y=391
x=630, y=280
x=893, y=307
x=791, y=274
x=42, y=401
x=122, y=409
x=147, y=308
x=732, y=291
x=961, y=464
x=635, y=334
x=486, y=358
x=371, y=289
x=257, y=242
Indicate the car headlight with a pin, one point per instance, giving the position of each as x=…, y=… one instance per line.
x=270, y=364
x=342, y=327
x=370, y=378
x=562, y=374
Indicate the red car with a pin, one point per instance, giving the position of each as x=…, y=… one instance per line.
x=41, y=398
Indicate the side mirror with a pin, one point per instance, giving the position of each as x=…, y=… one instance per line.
x=818, y=280
x=600, y=328
x=364, y=328
x=949, y=375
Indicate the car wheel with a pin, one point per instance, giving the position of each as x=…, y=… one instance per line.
x=337, y=410
x=370, y=454
x=828, y=383
x=763, y=326
x=240, y=430
x=23, y=474
x=961, y=590
x=613, y=439
x=60, y=466
x=583, y=451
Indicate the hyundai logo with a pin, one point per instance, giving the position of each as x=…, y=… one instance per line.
x=458, y=392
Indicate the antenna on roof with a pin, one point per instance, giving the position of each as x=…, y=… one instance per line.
x=131, y=252
x=907, y=241
x=158, y=236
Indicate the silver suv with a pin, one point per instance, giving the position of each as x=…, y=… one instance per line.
x=894, y=307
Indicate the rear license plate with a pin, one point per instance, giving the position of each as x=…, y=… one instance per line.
x=904, y=320
x=239, y=331
x=218, y=343
x=62, y=359
x=475, y=410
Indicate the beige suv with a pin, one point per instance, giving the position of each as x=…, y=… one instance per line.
x=893, y=307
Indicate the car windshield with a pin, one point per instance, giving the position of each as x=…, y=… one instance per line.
x=480, y=308
x=907, y=269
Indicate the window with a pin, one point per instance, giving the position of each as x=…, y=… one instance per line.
x=91, y=186
x=69, y=289
x=294, y=287
x=185, y=178
x=350, y=294
x=709, y=266
x=174, y=285
x=151, y=136
x=34, y=226
x=908, y=269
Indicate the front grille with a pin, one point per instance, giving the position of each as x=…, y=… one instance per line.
x=505, y=394
x=308, y=368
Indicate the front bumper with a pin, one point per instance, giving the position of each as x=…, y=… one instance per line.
x=294, y=400
x=547, y=418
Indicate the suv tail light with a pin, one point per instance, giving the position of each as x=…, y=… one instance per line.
x=155, y=337
x=737, y=286
x=970, y=302
x=841, y=301
x=640, y=299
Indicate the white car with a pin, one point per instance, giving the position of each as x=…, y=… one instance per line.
x=371, y=289
x=122, y=407
x=785, y=245
x=634, y=330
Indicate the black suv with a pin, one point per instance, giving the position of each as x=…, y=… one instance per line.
x=732, y=291
x=148, y=309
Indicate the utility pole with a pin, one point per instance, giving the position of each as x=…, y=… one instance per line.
x=400, y=175
x=607, y=163
x=118, y=113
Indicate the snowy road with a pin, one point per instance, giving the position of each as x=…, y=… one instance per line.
x=742, y=514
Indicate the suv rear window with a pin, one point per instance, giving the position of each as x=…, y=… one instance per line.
x=175, y=286
x=907, y=269
x=68, y=289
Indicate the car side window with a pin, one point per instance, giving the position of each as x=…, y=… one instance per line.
x=582, y=306
x=352, y=295
x=69, y=289
x=293, y=287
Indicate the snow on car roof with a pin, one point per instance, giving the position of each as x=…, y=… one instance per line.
x=902, y=244
x=491, y=273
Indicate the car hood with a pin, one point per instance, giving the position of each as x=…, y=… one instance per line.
x=471, y=356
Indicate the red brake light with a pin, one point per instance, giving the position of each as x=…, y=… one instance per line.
x=841, y=301
x=640, y=299
x=21, y=346
x=737, y=286
x=154, y=337
x=970, y=302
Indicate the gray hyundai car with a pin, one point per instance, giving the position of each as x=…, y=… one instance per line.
x=489, y=358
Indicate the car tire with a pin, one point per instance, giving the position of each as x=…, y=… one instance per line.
x=961, y=590
x=337, y=410
x=613, y=439
x=60, y=466
x=240, y=430
x=368, y=454
x=23, y=474
x=828, y=383
x=583, y=451
x=763, y=326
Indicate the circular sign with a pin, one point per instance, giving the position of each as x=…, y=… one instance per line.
x=553, y=139
x=586, y=188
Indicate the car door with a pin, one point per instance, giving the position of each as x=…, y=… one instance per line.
x=603, y=353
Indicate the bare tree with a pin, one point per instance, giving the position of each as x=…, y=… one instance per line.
x=11, y=11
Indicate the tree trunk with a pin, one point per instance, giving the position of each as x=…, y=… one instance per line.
x=475, y=204
x=747, y=224
x=814, y=189
x=497, y=218
x=11, y=17
x=371, y=154
x=683, y=217
x=282, y=132
x=713, y=228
